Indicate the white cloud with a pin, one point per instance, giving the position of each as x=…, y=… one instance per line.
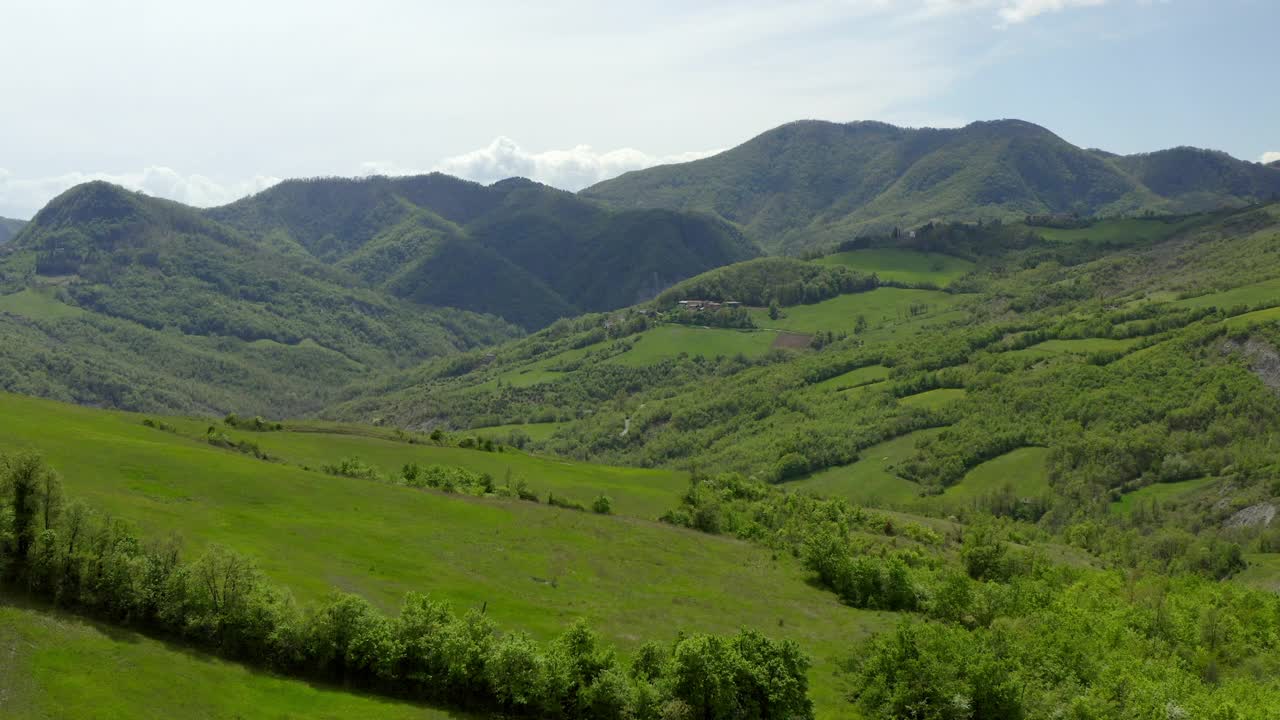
x=22, y=197
x=1270, y=157
x=1018, y=11
x=571, y=169
x=1010, y=12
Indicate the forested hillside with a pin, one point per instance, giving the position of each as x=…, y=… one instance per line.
x=811, y=183
x=1113, y=347
x=272, y=304
x=114, y=298
x=518, y=249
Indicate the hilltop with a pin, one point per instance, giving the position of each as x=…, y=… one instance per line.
x=518, y=249
x=813, y=184
x=273, y=303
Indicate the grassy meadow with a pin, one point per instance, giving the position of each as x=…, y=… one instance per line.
x=535, y=567
x=904, y=266
x=870, y=480
x=881, y=307
x=58, y=665
x=1025, y=471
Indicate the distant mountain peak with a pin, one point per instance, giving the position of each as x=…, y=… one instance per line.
x=814, y=184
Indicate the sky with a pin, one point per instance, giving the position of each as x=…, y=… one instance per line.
x=204, y=102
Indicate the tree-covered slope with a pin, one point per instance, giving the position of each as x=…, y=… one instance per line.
x=115, y=298
x=522, y=250
x=8, y=228
x=813, y=183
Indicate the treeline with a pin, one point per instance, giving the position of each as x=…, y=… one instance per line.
x=92, y=563
x=786, y=281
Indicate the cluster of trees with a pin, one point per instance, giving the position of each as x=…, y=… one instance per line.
x=1091, y=645
x=786, y=281
x=750, y=509
x=86, y=561
x=725, y=317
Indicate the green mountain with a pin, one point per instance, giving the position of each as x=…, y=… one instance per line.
x=112, y=297
x=9, y=228
x=518, y=249
x=813, y=184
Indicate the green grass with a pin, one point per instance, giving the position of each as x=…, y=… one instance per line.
x=1161, y=492
x=59, y=666
x=1257, y=316
x=1085, y=346
x=635, y=491
x=932, y=399
x=536, y=431
x=1130, y=231
x=1024, y=470
x=905, y=266
x=1263, y=572
x=37, y=305
x=880, y=307
x=855, y=378
x=1250, y=295
x=870, y=481
x=670, y=340
x=537, y=568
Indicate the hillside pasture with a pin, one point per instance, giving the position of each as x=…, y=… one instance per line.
x=905, y=266
x=880, y=307
x=60, y=666
x=855, y=378
x=932, y=399
x=1024, y=471
x=536, y=568
x=870, y=480
x=1120, y=231
x=667, y=341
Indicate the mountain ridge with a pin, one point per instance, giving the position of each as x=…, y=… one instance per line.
x=813, y=183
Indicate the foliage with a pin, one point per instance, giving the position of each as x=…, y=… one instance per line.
x=222, y=602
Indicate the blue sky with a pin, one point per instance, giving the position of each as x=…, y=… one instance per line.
x=203, y=102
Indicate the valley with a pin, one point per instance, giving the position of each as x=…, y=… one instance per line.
x=420, y=447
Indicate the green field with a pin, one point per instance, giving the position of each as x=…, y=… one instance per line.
x=882, y=306
x=855, y=378
x=537, y=568
x=1024, y=470
x=932, y=399
x=1248, y=295
x=1085, y=346
x=1257, y=316
x=904, y=266
x=37, y=305
x=668, y=341
x=870, y=481
x=1263, y=572
x=635, y=491
x=59, y=666
x=1127, y=231
x=1161, y=492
